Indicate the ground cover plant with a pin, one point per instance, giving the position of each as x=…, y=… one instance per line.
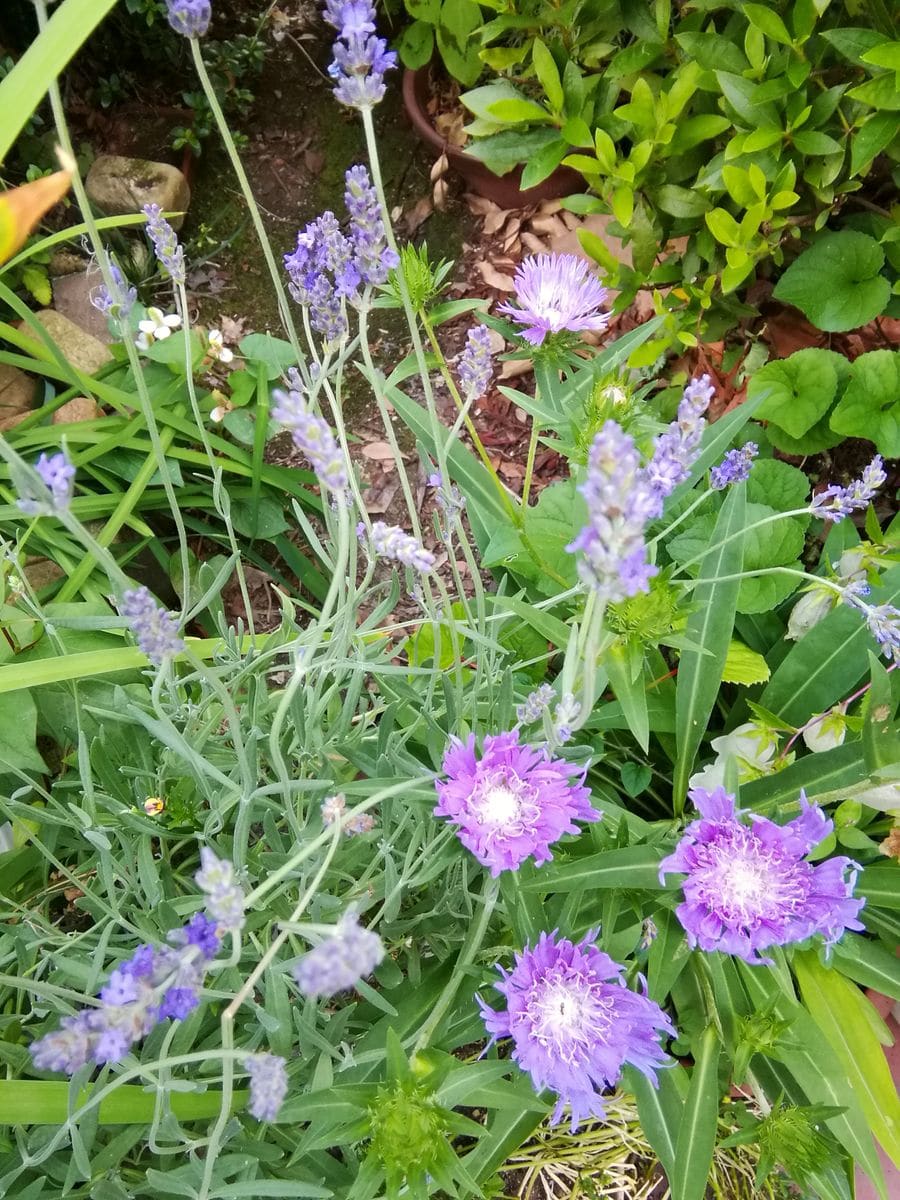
x=584, y=822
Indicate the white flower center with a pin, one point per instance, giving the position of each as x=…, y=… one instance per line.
x=499, y=806
x=747, y=883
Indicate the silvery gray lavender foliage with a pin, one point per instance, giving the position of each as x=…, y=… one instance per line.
x=58, y=476
x=224, y=897
x=117, y=303
x=734, y=467
x=169, y=252
x=350, y=954
x=360, y=58
x=268, y=1085
x=155, y=629
x=390, y=541
x=312, y=435
x=835, y=502
x=189, y=17
x=475, y=365
x=156, y=983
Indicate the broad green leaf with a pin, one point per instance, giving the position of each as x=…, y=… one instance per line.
x=680, y=201
x=831, y=771
x=46, y=1102
x=845, y=1018
x=880, y=92
x=696, y=1139
x=777, y=484
x=743, y=665
x=870, y=406
x=668, y=956
x=769, y=22
x=274, y=353
x=815, y=143
x=543, y=163
x=416, y=45
x=18, y=729
x=880, y=884
x=712, y=51
x=660, y=1109
x=624, y=663
x=801, y=389
x=694, y=130
x=548, y=74
x=837, y=283
x=870, y=140
x=634, y=868
x=885, y=55
x=708, y=635
x=853, y=43
x=517, y=111
x=868, y=962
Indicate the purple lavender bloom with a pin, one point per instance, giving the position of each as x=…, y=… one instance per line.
x=322, y=271
x=734, y=467
x=189, y=17
x=450, y=501
x=58, y=476
x=675, y=450
x=835, y=502
x=117, y=303
x=575, y=1025
x=475, y=365
x=313, y=436
x=567, y=713
x=536, y=704
x=155, y=629
x=620, y=501
x=749, y=887
x=224, y=897
x=513, y=802
x=360, y=58
x=268, y=1085
x=390, y=541
x=883, y=620
x=556, y=292
x=165, y=242
x=350, y=954
x=178, y=1003
x=200, y=931
x=374, y=258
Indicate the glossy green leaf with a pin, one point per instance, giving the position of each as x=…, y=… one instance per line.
x=660, y=1109
x=696, y=1139
x=46, y=1102
x=635, y=868
x=837, y=283
x=624, y=664
x=801, y=389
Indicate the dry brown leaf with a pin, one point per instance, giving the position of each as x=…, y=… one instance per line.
x=548, y=226
x=496, y=279
x=439, y=194
x=496, y=341
x=512, y=470
x=514, y=367
x=494, y=221
x=550, y=206
x=379, y=451
x=440, y=168
x=479, y=206
x=418, y=214
x=533, y=243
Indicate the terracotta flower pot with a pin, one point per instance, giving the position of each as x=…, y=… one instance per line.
x=504, y=190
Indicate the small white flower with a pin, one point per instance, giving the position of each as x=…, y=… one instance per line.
x=711, y=777
x=217, y=413
x=753, y=747
x=155, y=328
x=217, y=348
x=829, y=731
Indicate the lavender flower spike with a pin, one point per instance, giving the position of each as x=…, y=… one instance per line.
x=155, y=629
x=390, y=541
x=58, y=476
x=883, y=620
x=117, y=303
x=475, y=362
x=360, y=58
x=575, y=1025
x=513, y=802
x=675, y=450
x=556, y=292
x=350, y=954
x=536, y=704
x=734, y=467
x=372, y=255
x=313, y=436
x=268, y=1085
x=224, y=897
x=749, y=887
x=165, y=242
x=620, y=501
x=189, y=17
x=835, y=502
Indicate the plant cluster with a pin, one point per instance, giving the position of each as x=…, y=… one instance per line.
x=586, y=803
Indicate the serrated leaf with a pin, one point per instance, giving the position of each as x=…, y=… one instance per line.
x=870, y=406
x=836, y=283
x=743, y=665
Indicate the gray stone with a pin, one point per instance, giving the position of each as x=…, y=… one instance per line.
x=82, y=408
x=80, y=348
x=65, y=262
x=18, y=393
x=72, y=298
x=117, y=185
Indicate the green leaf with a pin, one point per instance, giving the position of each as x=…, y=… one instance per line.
x=624, y=663
x=275, y=353
x=812, y=142
x=869, y=963
x=836, y=282
x=694, y=130
x=870, y=407
x=743, y=665
x=668, y=956
x=46, y=1102
x=18, y=730
x=870, y=140
x=416, y=45
x=880, y=92
x=697, y=1130
x=885, y=55
x=708, y=635
x=777, y=484
x=853, y=43
x=548, y=74
x=881, y=734
x=660, y=1109
x=820, y=437
x=801, y=389
x=830, y=771
x=724, y=227
x=680, y=201
x=744, y=98
x=459, y=50
x=768, y=22
x=518, y=111
x=712, y=51
x=632, y=868
x=847, y=1019
x=544, y=163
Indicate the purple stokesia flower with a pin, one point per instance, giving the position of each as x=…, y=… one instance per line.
x=58, y=476
x=734, y=467
x=620, y=501
x=390, y=541
x=350, y=954
x=513, y=802
x=374, y=258
x=835, y=502
x=556, y=292
x=155, y=629
x=574, y=1023
x=360, y=58
x=313, y=436
x=268, y=1085
x=155, y=983
x=749, y=887
x=119, y=302
x=224, y=897
x=675, y=450
x=189, y=17
x=475, y=364
x=165, y=242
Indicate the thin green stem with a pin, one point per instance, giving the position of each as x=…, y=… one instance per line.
x=529, y=463
x=781, y=516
